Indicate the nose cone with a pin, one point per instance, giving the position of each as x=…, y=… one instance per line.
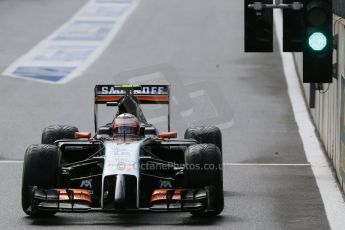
x=120, y=191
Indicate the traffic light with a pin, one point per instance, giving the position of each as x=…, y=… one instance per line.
x=318, y=41
x=293, y=28
x=258, y=28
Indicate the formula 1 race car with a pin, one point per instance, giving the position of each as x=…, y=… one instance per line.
x=127, y=165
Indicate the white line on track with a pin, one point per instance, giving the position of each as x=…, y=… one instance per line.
x=264, y=164
x=329, y=189
x=225, y=164
x=11, y=162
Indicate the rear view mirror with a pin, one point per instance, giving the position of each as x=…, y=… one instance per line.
x=168, y=135
x=78, y=135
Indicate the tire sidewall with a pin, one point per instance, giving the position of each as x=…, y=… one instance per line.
x=40, y=169
x=210, y=180
x=205, y=135
x=53, y=133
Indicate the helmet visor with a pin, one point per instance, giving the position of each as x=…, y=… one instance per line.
x=127, y=130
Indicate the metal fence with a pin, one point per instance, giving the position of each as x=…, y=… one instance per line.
x=329, y=112
x=339, y=7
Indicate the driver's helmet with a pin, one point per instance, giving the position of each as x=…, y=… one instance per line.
x=125, y=123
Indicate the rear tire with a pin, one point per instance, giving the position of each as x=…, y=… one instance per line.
x=57, y=132
x=205, y=135
x=204, y=170
x=41, y=169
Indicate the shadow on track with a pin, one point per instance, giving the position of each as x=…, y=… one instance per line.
x=131, y=220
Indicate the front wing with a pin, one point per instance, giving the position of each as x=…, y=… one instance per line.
x=79, y=200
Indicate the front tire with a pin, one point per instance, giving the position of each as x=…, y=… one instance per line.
x=57, y=132
x=204, y=170
x=41, y=169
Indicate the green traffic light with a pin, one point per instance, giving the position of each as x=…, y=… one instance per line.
x=317, y=41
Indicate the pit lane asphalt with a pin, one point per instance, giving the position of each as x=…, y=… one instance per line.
x=202, y=41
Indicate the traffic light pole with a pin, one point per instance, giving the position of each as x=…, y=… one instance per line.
x=258, y=6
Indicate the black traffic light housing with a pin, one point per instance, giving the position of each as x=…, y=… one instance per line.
x=318, y=41
x=258, y=28
x=293, y=29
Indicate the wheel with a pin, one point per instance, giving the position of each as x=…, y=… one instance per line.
x=57, y=132
x=205, y=135
x=41, y=168
x=204, y=170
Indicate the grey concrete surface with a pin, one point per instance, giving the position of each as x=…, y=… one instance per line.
x=202, y=41
x=256, y=197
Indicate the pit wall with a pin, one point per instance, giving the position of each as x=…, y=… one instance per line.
x=328, y=114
